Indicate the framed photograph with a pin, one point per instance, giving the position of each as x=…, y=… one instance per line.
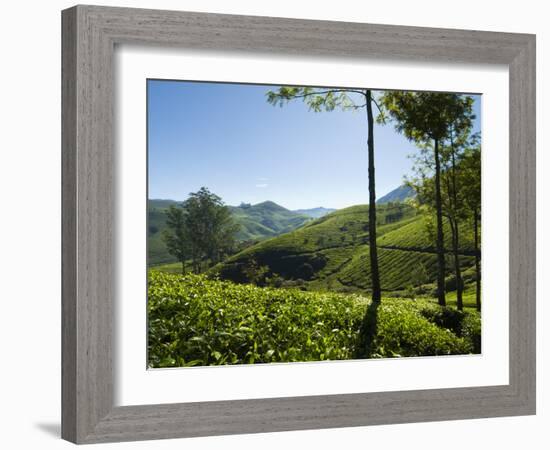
x=277, y=224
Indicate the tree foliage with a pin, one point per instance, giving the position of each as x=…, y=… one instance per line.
x=470, y=175
x=461, y=180
x=202, y=229
x=425, y=116
x=175, y=236
x=432, y=119
x=319, y=99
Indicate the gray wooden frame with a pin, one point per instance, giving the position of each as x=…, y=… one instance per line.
x=89, y=36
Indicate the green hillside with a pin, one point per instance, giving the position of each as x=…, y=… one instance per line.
x=332, y=253
x=420, y=234
x=257, y=222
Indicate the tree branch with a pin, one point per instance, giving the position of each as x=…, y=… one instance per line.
x=378, y=106
x=321, y=93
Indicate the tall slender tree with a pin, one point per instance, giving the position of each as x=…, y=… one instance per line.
x=424, y=118
x=457, y=191
x=470, y=173
x=345, y=99
x=454, y=212
x=451, y=200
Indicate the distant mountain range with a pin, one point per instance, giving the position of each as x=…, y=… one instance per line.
x=265, y=219
x=257, y=222
x=315, y=212
x=260, y=221
x=397, y=195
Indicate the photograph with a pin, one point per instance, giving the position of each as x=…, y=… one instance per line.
x=290, y=223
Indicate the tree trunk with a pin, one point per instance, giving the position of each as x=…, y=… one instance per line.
x=376, y=294
x=458, y=276
x=196, y=264
x=182, y=267
x=439, y=240
x=456, y=241
x=478, y=268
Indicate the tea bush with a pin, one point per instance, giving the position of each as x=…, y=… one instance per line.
x=197, y=321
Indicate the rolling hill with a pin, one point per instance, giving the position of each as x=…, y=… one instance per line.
x=332, y=253
x=257, y=222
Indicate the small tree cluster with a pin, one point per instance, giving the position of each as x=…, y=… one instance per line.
x=201, y=230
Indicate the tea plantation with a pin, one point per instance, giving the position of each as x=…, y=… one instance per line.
x=194, y=320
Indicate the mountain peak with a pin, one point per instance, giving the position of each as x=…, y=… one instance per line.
x=268, y=204
x=399, y=194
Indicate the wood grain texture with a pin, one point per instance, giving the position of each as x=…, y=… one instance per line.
x=88, y=210
x=89, y=36
x=68, y=227
x=522, y=223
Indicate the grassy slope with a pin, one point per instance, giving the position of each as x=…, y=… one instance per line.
x=416, y=235
x=336, y=247
x=196, y=321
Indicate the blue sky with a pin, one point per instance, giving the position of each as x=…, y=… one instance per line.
x=228, y=138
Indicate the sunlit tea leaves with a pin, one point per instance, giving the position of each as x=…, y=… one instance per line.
x=195, y=321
